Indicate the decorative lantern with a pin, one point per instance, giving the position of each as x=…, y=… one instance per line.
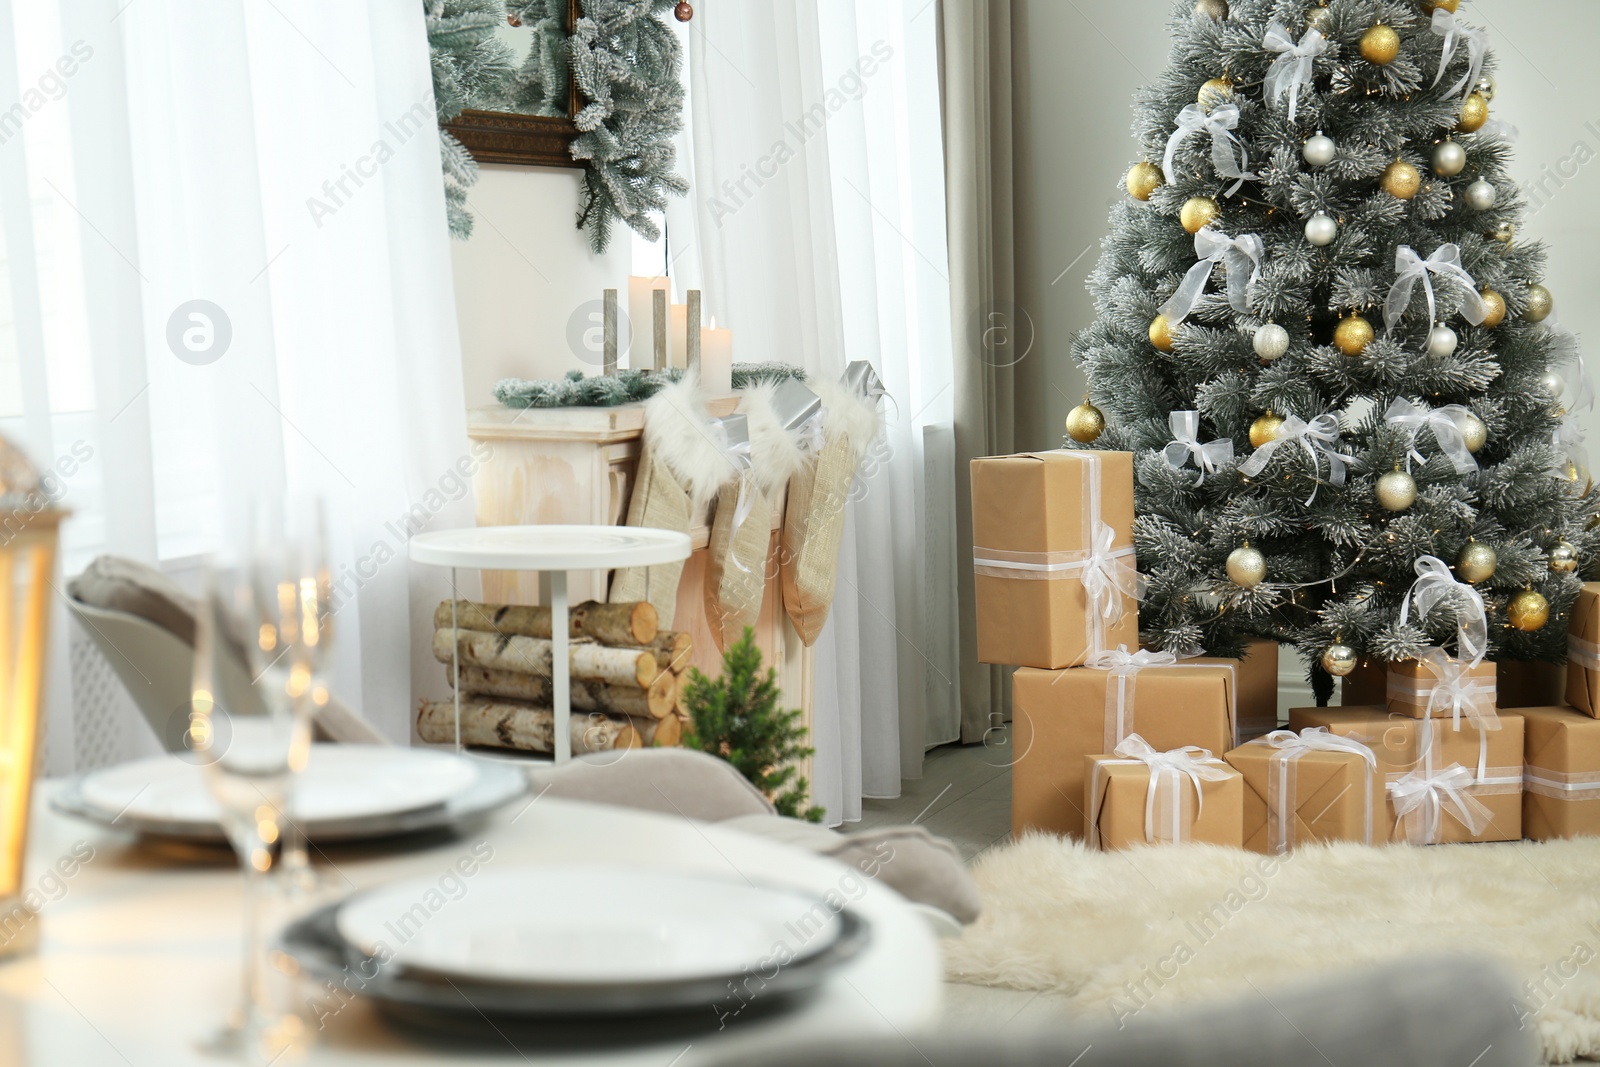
x=29, y=524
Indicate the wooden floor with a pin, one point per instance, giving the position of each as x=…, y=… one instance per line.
x=964, y=795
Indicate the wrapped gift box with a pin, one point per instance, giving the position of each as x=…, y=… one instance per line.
x=1583, y=650
x=1255, y=686
x=1035, y=519
x=1296, y=793
x=1062, y=716
x=1561, y=776
x=1132, y=802
x=1414, y=683
x=1405, y=746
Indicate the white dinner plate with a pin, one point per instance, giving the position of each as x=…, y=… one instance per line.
x=340, y=782
x=588, y=926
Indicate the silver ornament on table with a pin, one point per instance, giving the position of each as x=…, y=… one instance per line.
x=1339, y=659
x=1563, y=558
x=1481, y=195
x=1246, y=567
x=1442, y=341
x=1320, y=150
x=1271, y=341
x=1449, y=159
x=1321, y=230
x=1485, y=87
x=1397, y=490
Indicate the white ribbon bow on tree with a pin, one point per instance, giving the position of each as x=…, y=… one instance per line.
x=1453, y=31
x=1241, y=254
x=1171, y=768
x=1569, y=443
x=1220, y=124
x=1409, y=268
x=1293, y=67
x=1318, y=437
x=1430, y=794
x=1446, y=424
x=1107, y=578
x=1207, y=457
x=1436, y=584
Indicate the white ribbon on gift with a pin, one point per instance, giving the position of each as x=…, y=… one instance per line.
x=1453, y=689
x=1561, y=785
x=1585, y=654
x=1220, y=124
x=1410, y=268
x=1436, y=584
x=1241, y=254
x=1293, y=67
x=1163, y=799
x=1207, y=457
x=1446, y=424
x=1108, y=574
x=1446, y=25
x=1421, y=798
x=1124, y=667
x=1281, y=778
x=1318, y=437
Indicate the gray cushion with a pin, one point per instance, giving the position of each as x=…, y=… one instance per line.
x=920, y=866
x=669, y=780
x=117, y=584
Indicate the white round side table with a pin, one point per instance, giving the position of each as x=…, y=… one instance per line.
x=553, y=550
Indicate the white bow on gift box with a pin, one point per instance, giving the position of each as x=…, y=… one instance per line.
x=1420, y=799
x=1163, y=799
x=1281, y=792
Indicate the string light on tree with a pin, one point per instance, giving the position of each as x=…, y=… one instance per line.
x=1353, y=335
x=1321, y=230
x=1481, y=195
x=1198, y=212
x=1319, y=150
x=1449, y=159
x=1246, y=566
x=1085, y=423
x=1563, y=558
x=1401, y=180
x=1442, y=341
x=1528, y=611
x=1477, y=562
x=1494, y=308
x=1380, y=45
x=1397, y=490
x=1339, y=659
x=1540, y=304
x=1271, y=341
x=1319, y=19
x=1474, y=113
x=1143, y=180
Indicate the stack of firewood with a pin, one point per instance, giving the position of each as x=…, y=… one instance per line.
x=626, y=677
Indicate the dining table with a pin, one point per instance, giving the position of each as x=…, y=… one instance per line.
x=140, y=944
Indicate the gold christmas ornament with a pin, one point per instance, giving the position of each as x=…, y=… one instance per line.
x=1563, y=558
x=1214, y=92
x=1143, y=180
x=1448, y=5
x=1380, y=45
x=1198, y=213
x=1474, y=113
x=1473, y=432
x=1528, y=611
x=1246, y=567
x=1540, y=304
x=1353, y=335
x=1494, y=308
x=1161, y=333
x=1339, y=659
x=1265, y=429
x=1401, y=180
x=1211, y=9
x=1085, y=423
x=1476, y=562
x=1397, y=490
x=1505, y=233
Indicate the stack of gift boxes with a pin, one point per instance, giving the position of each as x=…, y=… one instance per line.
x=1121, y=746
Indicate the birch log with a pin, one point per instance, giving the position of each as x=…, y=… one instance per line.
x=532, y=655
x=610, y=624
x=672, y=649
x=660, y=733
x=511, y=724
x=660, y=699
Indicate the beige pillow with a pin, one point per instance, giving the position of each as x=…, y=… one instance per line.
x=114, y=583
x=670, y=780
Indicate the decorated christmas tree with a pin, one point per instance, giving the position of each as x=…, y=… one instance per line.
x=1338, y=367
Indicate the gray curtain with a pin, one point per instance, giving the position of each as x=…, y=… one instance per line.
x=975, y=87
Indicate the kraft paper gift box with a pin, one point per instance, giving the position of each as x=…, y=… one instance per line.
x=1561, y=775
x=1443, y=687
x=1142, y=796
x=1583, y=650
x=1257, y=689
x=1411, y=752
x=1309, y=788
x=1062, y=716
x=1040, y=522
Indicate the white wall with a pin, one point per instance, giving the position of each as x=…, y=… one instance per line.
x=524, y=274
x=1077, y=67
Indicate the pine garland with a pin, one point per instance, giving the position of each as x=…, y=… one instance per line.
x=576, y=391
x=470, y=67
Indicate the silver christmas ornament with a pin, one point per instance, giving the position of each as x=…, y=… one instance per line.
x=1485, y=87
x=1481, y=195
x=1339, y=660
x=1246, y=567
x=1449, y=159
x=1320, y=150
x=1563, y=558
x=1550, y=381
x=1271, y=341
x=1321, y=230
x=1442, y=341
x=1397, y=490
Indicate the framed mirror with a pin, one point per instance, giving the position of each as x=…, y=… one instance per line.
x=531, y=124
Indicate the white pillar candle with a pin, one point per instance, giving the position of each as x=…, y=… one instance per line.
x=640, y=329
x=716, y=359
x=678, y=336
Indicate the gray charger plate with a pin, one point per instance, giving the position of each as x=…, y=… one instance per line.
x=497, y=785
x=325, y=956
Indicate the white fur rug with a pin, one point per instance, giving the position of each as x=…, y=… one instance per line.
x=1123, y=932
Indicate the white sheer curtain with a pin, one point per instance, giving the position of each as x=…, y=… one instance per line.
x=815, y=224
x=277, y=162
